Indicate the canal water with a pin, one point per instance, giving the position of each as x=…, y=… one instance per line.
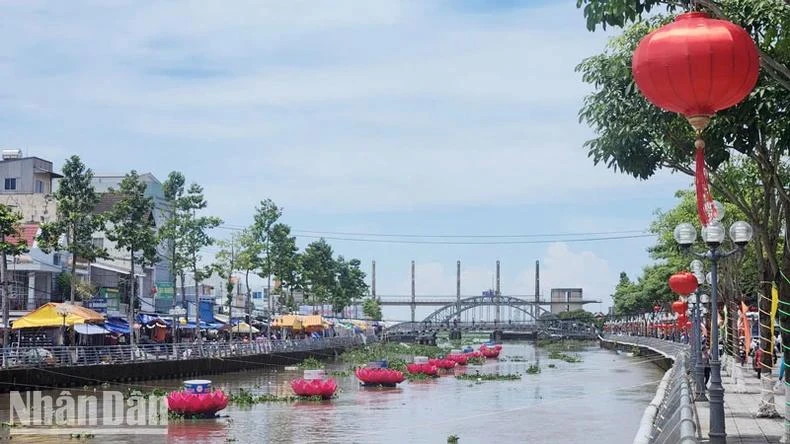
x=600, y=399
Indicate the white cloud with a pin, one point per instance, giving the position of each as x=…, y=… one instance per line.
x=562, y=267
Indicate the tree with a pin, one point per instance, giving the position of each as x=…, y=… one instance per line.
x=578, y=316
x=351, y=284
x=11, y=243
x=774, y=13
x=319, y=271
x=133, y=228
x=266, y=215
x=286, y=263
x=195, y=237
x=76, y=222
x=746, y=145
x=372, y=309
x=171, y=233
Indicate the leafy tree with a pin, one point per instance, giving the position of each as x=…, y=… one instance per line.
x=247, y=261
x=171, y=233
x=372, y=309
x=225, y=264
x=11, y=243
x=133, y=228
x=266, y=215
x=351, y=284
x=286, y=263
x=76, y=222
x=319, y=271
x=194, y=230
x=577, y=315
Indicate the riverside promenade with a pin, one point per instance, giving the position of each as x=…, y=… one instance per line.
x=740, y=402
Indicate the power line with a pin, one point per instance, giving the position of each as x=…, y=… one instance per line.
x=522, y=242
x=500, y=236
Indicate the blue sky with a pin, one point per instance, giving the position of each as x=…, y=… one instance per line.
x=417, y=117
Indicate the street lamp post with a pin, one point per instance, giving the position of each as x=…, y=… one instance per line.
x=697, y=299
x=713, y=235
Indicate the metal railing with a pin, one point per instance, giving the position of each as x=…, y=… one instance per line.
x=66, y=356
x=670, y=418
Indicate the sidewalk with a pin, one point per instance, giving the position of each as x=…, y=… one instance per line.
x=739, y=408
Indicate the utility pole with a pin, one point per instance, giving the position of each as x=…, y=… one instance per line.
x=536, y=308
x=4, y=279
x=413, y=299
x=373, y=281
x=497, y=295
x=458, y=288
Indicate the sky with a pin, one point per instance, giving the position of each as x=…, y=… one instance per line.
x=418, y=117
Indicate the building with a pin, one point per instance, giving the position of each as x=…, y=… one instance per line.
x=566, y=299
x=26, y=184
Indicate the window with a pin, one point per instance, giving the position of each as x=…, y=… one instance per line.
x=39, y=186
x=98, y=242
x=10, y=184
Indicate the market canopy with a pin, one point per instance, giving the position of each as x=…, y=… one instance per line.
x=288, y=321
x=314, y=323
x=243, y=327
x=52, y=314
x=90, y=329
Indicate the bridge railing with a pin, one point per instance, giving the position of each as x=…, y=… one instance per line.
x=63, y=356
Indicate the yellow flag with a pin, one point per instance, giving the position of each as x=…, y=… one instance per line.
x=774, y=309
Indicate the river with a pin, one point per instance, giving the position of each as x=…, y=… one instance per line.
x=600, y=399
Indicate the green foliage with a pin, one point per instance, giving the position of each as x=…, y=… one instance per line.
x=286, y=263
x=194, y=230
x=266, y=215
x=76, y=222
x=10, y=227
x=577, y=315
x=452, y=439
x=245, y=398
x=391, y=352
x=319, y=271
x=561, y=356
x=132, y=223
x=477, y=376
x=372, y=309
x=350, y=285
x=311, y=363
x=533, y=369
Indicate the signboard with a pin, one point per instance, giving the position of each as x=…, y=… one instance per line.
x=98, y=304
x=257, y=295
x=165, y=290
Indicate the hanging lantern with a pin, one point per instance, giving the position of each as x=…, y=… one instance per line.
x=680, y=308
x=683, y=283
x=697, y=66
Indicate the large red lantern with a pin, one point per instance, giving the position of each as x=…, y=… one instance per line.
x=680, y=308
x=697, y=66
x=683, y=283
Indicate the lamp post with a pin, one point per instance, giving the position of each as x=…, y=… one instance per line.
x=713, y=235
x=697, y=300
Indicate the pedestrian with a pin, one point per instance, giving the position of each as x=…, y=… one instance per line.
x=756, y=364
x=706, y=363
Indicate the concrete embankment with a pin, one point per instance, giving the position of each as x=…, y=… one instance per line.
x=661, y=359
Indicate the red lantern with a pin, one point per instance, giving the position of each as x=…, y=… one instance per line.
x=680, y=308
x=697, y=66
x=683, y=283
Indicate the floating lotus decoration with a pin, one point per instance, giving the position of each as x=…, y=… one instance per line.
x=204, y=405
x=324, y=388
x=474, y=355
x=423, y=368
x=444, y=364
x=379, y=376
x=459, y=358
x=490, y=353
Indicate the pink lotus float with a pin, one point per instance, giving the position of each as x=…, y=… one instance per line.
x=203, y=405
x=324, y=388
x=458, y=358
x=386, y=377
x=422, y=368
x=490, y=353
x=444, y=364
x=474, y=355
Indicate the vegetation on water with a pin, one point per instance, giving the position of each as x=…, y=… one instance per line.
x=139, y=393
x=477, y=376
x=310, y=363
x=391, y=352
x=563, y=345
x=245, y=398
x=452, y=439
x=552, y=365
x=533, y=369
x=513, y=359
x=562, y=356
x=476, y=361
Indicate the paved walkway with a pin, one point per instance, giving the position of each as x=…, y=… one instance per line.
x=741, y=424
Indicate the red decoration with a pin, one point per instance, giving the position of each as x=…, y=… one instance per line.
x=489, y=353
x=680, y=307
x=197, y=404
x=459, y=358
x=697, y=66
x=683, y=283
x=444, y=364
x=474, y=355
x=425, y=369
x=379, y=376
x=325, y=388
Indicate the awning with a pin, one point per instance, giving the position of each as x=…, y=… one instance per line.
x=288, y=321
x=118, y=270
x=54, y=314
x=117, y=326
x=90, y=329
x=244, y=327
